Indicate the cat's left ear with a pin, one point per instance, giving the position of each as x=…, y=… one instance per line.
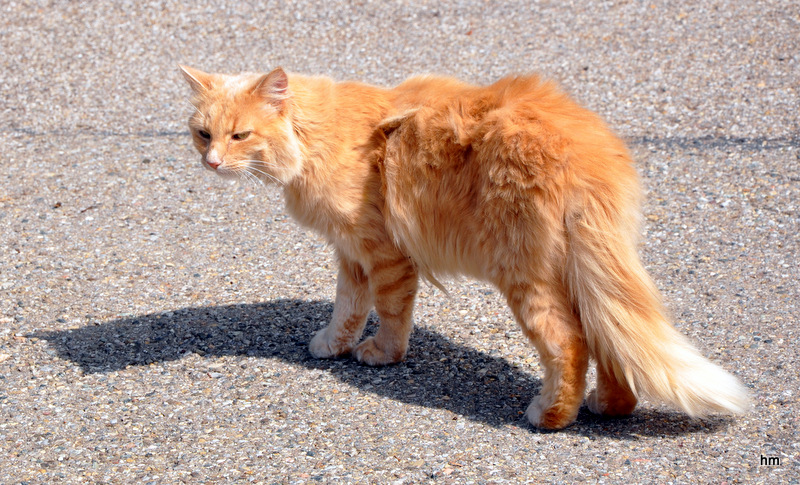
x=198, y=80
x=273, y=88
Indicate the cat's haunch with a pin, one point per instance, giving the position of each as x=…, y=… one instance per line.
x=511, y=183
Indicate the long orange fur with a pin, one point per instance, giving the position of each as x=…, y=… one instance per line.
x=511, y=183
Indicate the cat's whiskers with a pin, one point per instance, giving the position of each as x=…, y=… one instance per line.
x=261, y=172
x=250, y=166
x=255, y=179
x=252, y=178
x=265, y=163
x=230, y=171
x=244, y=170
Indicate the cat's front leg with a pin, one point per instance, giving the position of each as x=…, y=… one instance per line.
x=353, y=303
x=393, y=282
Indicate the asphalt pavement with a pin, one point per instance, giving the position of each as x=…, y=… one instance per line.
x=154, y=319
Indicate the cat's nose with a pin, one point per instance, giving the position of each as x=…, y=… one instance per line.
x=213, y=159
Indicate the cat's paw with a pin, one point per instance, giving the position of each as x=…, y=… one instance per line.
x=370, y=352
x=324, y=345
x=549, y=416
x=619, y=407
x=593, y=403
x=534, y=412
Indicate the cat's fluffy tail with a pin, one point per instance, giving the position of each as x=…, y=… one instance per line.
x=624, y=322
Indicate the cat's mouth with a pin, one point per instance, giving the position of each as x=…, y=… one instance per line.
x=250, y=170
x=221, y=169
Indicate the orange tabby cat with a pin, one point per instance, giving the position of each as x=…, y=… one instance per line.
x=511, y=183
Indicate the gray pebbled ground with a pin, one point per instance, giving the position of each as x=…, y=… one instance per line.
x=154, y=320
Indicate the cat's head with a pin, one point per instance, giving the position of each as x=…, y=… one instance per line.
x=241, y=124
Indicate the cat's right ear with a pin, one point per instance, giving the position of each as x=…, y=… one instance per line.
x=388, y=125
x=273, y=88
x=198, y=80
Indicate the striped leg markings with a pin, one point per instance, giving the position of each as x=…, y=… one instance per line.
x=393, y=284
x=547, y=319
x=353, y=303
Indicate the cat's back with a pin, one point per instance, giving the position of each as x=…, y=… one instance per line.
x=430, y=91
x=440, y=92
x=561, y=136
x=515, y=154
x=524, y=118
x=525, y=98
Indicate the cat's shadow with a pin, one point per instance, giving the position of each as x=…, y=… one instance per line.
x=438, y=372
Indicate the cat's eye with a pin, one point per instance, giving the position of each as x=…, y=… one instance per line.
x=241, y=136
x=204, y=134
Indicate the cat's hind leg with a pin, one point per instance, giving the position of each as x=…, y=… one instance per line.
x=612, y=397
x=393, y=282
x=546, y=317
x=353, y=303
